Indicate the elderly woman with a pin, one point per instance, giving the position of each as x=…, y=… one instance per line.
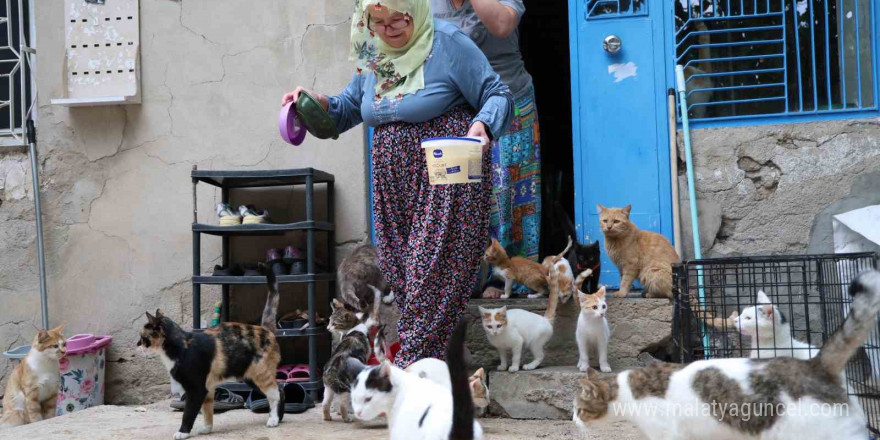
x=515, y=217
x=419, y=78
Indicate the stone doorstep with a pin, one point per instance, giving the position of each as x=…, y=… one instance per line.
x=635, y=324
x=545, y=393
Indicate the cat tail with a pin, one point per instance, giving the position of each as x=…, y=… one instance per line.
x=462, y=402
x=579, y=281
x=270, y=311
x=843, y=343
x=379, y=345
x=553, y=297
x=561, y=255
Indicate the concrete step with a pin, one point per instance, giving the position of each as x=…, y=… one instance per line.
x=636, y=323
x=545, y=393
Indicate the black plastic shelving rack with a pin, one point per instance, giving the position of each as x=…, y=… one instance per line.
x=230, y=180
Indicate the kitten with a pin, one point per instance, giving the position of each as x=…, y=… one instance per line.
x=418, y=408
x=643, y=255
x=510, y=330
x=592, y=330
x=32, y=390
x=357, y=272
x=350, y=355
x=517, y=269
x=770, y=332
x=712, y=388
x=563, y=281
x=437, y=371
x=200, y=361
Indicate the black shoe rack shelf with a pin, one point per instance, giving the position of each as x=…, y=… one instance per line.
x=231, y=180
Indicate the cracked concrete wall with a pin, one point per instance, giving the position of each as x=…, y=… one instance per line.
x=117, y=198
x=772, y=189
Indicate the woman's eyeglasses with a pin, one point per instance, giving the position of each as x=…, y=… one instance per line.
x=396, y=24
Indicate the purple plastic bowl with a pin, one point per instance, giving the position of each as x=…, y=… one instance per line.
x=292, y=129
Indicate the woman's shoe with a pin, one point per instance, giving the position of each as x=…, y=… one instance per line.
x=226, y=215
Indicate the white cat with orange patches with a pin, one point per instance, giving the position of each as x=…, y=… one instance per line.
x=592, y=328
x=32, y=389
x=511, y=330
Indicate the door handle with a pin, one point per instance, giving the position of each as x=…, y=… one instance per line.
x=612, y=44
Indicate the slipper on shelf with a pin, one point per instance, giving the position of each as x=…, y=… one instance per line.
x=296, y=399
x=293, y=373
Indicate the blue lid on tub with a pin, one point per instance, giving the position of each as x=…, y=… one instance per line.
x=451, y=138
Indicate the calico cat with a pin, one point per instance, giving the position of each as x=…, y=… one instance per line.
x=200, y=361
x=357, y=272
x=32, y=389
x=510, y=330
x=592, y=330
x=437, y=371
x=580, y=257
x=643, y=255
x=418, y=408
x=350, y=355
x=713, y=387
x=516, y=269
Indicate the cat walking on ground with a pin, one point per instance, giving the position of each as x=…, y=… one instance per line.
x=200, y=361
x=32, y=389
x=639, y=255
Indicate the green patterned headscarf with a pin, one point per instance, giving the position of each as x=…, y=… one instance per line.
x=399, y=71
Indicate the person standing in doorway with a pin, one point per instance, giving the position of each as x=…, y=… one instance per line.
x=515, y=213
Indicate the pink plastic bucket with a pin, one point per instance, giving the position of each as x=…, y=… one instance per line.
x=82, y=373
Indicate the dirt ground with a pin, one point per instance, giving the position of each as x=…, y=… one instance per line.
x=158, y=422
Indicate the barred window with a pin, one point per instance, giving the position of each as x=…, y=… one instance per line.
x=745, y=58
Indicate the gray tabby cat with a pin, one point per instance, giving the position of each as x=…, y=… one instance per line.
x=357, y=272
x=743, y=399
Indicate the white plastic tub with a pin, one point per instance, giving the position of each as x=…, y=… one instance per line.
x=454, y=160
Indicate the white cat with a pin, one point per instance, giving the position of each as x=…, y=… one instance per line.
x=770, y=332
x=418, y=408
x=721, y=398
x=510, y=330
x=592, y=328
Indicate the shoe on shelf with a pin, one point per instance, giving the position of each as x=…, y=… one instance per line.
x=252, y=270
x=227, y=216
x=298, y=267
x=292, y=254
x=273, y=256
x=233, y=271
x=253, y=216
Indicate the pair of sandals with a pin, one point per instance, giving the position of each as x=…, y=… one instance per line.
x=237, y=395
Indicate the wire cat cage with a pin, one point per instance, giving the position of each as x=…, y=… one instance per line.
x=718, y=313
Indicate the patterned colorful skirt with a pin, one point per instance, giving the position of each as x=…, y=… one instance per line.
x=515, y=207
x=429, y=239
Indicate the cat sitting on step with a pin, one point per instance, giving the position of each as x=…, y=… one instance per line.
x=32, y=390
x=592, y=328
x=639, y=255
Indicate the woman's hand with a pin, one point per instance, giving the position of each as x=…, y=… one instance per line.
x=294, y=96
x=479, y=130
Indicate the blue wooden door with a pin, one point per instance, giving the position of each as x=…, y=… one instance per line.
x=621, y=147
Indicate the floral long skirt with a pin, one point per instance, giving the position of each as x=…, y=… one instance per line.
x=515, y=213
x=429, y=239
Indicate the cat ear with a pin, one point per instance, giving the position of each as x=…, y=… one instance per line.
x=336, y=304
x=503, y=310
x=42, y=335
x=480, y=373
x=159, y=313
x=627, y=209
x=150, y=318
x=600, y=207
x=385, y=369
x=763, y=298
x=601, y=292
x=58, y=329
x=582, y=297
x=592, y=374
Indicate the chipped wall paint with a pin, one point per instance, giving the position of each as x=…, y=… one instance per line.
x=623, y=71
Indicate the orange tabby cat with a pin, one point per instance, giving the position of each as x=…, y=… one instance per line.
x=33, y=387
x=642, y=255
x=517, y=269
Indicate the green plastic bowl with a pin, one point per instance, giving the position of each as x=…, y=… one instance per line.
x=315, y=118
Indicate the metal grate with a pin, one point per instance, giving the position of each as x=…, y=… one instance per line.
x=598, y=9
x=810, y=291
x=763, y=57
x=17, y=95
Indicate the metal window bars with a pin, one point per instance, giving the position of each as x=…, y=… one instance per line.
x=776, y=57
x=598, y=9
x=811, y=300
x=18, y=94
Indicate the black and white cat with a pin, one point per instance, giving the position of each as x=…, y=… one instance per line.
x=419, y=408
x=770, y=332
x=782, y=398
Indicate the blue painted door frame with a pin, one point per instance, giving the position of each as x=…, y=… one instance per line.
x=619, y=112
